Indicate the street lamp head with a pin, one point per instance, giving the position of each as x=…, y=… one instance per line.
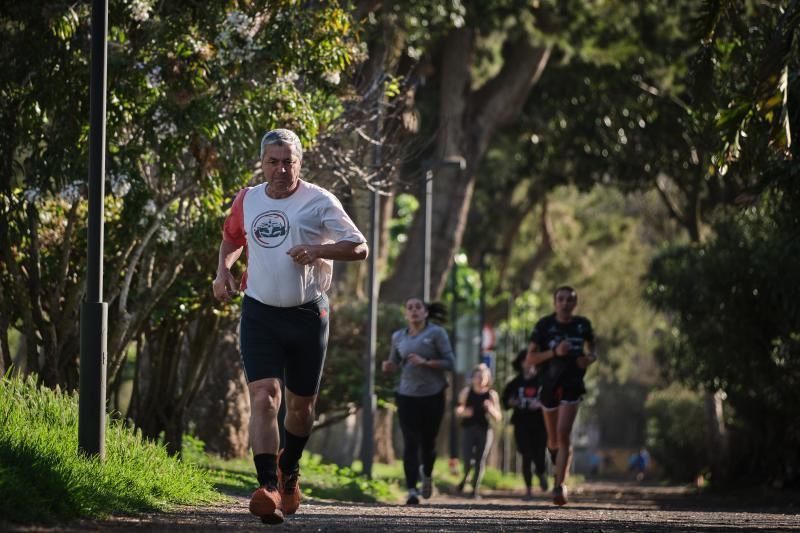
x=453, y=161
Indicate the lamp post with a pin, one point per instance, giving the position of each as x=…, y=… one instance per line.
x=428, y=166
x=427, y=206
x=94, y=312
x=369, y=400
x=453, y=338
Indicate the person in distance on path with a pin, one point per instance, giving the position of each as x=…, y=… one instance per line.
x=562, y=346
x=522, y=395
x=424, y=356
x=478, y=407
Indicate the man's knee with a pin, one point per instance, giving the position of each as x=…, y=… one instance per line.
x=265, y=398
x=300, y=407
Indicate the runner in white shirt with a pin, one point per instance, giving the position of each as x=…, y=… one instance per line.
x=292, y=232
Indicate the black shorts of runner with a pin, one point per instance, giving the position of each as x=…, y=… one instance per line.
x=569, y=389
x=288, y=343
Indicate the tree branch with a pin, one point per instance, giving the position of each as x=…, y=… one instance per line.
x=499, y=101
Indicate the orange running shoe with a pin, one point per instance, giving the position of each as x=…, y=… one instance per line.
x=289, y=488
x=560, y=495
x=266, y=504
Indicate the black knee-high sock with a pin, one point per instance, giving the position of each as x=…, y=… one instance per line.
x=267, y=469
x=290, y=456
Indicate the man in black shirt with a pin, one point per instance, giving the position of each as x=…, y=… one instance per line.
x=562, y=346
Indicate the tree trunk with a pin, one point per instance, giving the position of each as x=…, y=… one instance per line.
x=468, y=119
x=170, y=368
x=221, y=410
x=5, y=351
x=384, y=447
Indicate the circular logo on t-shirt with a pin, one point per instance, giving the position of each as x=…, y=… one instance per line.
x=270, y=229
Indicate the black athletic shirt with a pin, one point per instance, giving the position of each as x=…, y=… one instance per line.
x=478, y=417
x=526, y=392
x=549, y=332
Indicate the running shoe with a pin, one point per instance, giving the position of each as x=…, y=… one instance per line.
x=413, y=497
x=266, y=504
x=289, y=488
x=560, y=495
x=427, y=483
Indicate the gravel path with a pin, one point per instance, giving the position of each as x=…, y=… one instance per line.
x=593, y=507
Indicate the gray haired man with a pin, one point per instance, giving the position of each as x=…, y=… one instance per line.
x=293, y=231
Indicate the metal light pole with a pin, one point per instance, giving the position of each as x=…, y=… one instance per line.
x=453, y=339
x=369, y=400
x=427, y=206
x=94, y=312
x=481, y=303
x=428, y=167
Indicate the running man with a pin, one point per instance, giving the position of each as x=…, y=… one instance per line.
x=292, y=231
x=562, y=346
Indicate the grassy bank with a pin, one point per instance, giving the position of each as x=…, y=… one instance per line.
x=44, y=478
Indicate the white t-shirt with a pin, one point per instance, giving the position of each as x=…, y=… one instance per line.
x=268, y=227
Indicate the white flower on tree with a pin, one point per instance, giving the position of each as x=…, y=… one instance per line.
x=150, y=208
x=120, y=185
x=332, y=77
x=32, y=195
x=154, y=78
x=166, y=235
x=72, y=192
x=140, y=10
x=235, y=39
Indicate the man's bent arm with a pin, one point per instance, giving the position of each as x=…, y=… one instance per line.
x=342, y=251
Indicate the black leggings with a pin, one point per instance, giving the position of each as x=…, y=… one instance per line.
x=420, y=417
x=531, y=437
x=476, y=445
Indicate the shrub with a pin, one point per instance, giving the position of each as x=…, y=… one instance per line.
x=676, y=434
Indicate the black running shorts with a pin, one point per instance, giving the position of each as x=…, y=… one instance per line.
x=288, y=343
x=569, y=389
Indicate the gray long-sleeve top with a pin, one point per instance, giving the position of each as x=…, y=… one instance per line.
x=430, y=343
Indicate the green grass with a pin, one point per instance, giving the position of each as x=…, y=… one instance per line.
x=445, y=481
x=237, y=477
x=318, y=480
x=44, y=478
x=493, y=478
x=322, y=480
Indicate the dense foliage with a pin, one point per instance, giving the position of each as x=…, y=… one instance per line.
x=191, y=87
x=736, y=324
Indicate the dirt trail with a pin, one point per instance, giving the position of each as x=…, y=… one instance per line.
x=593, y=507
